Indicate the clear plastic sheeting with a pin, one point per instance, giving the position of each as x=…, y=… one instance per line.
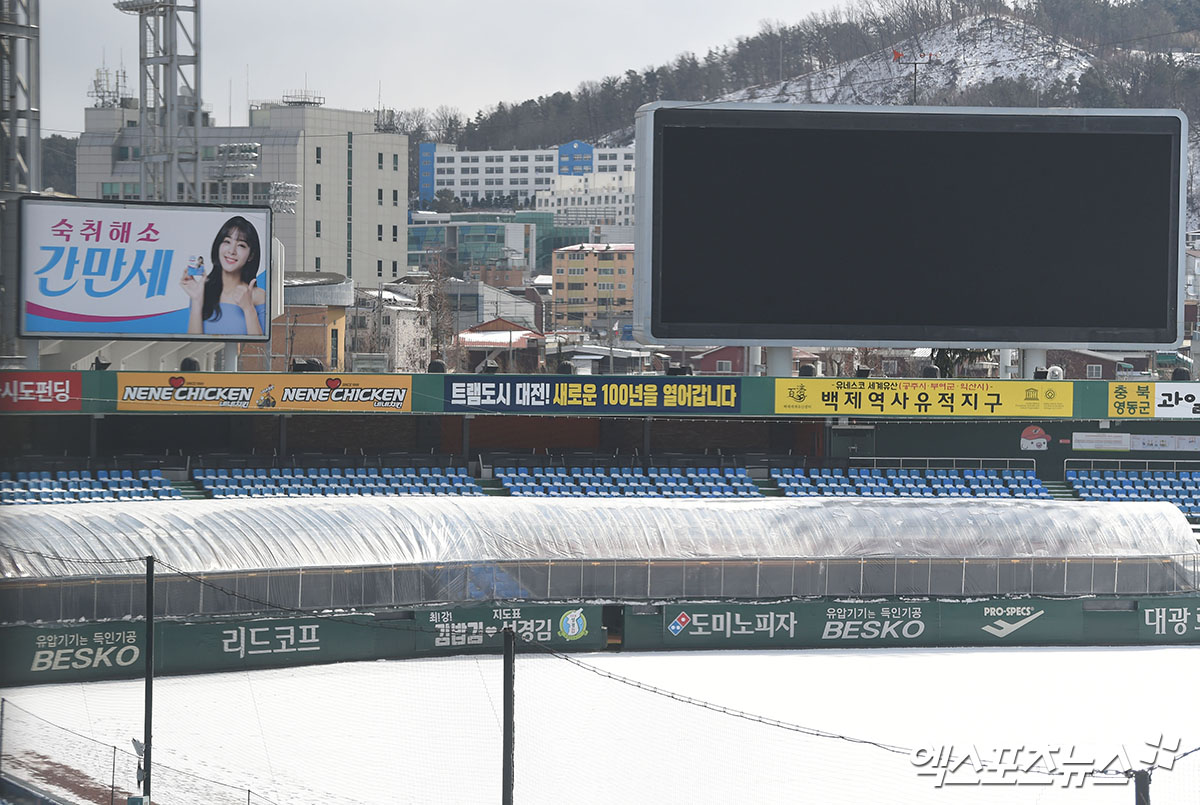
x=231, y=536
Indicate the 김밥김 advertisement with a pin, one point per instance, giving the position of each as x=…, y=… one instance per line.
x=144, y=271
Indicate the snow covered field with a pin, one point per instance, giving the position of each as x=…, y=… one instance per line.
x=429, y=730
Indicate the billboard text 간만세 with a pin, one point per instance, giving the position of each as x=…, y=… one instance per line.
x=144, y=271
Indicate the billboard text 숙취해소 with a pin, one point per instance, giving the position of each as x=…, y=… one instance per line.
x=144, y=271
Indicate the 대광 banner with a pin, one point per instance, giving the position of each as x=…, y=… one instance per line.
x=144, y=271
x=1133, y=399
x=41, y=391
x=964, y=397
x=263, y=393
x=594, y=395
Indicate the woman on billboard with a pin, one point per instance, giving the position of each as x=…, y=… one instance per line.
x=229, y=302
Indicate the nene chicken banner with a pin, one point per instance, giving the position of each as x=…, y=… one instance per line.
x=1151, y=400
x=130, y=270
x=953, y=397
x=164, y=392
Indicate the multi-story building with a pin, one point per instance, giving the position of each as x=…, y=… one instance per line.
x=388, y=322
x=351, y=204
x=467, y=242
x=602, y=199
x=593, y=285
x=475, y=175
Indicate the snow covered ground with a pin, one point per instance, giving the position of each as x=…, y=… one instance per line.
x=429, y=730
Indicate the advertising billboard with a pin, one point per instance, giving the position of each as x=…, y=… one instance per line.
x=910, y=227
x=128, y=270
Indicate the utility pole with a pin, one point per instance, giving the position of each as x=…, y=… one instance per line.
x=928, y=57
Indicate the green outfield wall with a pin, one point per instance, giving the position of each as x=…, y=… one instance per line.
x=43, y=653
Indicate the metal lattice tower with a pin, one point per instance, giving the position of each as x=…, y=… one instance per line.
x=169, y=97
x=20, y=107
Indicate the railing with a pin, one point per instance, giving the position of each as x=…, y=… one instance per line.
x=609, y=580
x=1127, y=464
x=944, y=463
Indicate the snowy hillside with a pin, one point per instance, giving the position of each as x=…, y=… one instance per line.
x=963, y=54
x=960, y=55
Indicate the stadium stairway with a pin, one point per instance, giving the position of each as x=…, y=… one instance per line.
x=767, y=488
x=189, y=489
x=1060, y=490
x=491, y=486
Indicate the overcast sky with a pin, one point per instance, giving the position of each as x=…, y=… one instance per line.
x=467, y=54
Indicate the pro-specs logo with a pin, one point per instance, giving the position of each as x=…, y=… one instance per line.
x=1002, y=628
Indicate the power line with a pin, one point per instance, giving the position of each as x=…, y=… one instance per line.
x=69, y=559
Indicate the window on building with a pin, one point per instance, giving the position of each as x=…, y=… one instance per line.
x=394, y=268
x=379, y=233
x=890, y=368
x=558, y=286
x=724, y=366
x=395, y=162
x=395, y=234
x=333, y=348
x=317, y=264
x=318, y=155
x=576, y=286
x=395, y=198
x=381, y=160
x=1095, y=371
x=318, y=234
x=318, y=192
x=379, y=196
x=379, y=268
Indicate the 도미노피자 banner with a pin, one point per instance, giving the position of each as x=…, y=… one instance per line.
x=144, y=271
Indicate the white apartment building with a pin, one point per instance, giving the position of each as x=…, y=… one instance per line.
x=352, y=203
x=475, y=175
x=599, y=199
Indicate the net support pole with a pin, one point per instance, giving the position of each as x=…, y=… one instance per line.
x=510, y=652
x=149, y=715
x=1141, y=787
